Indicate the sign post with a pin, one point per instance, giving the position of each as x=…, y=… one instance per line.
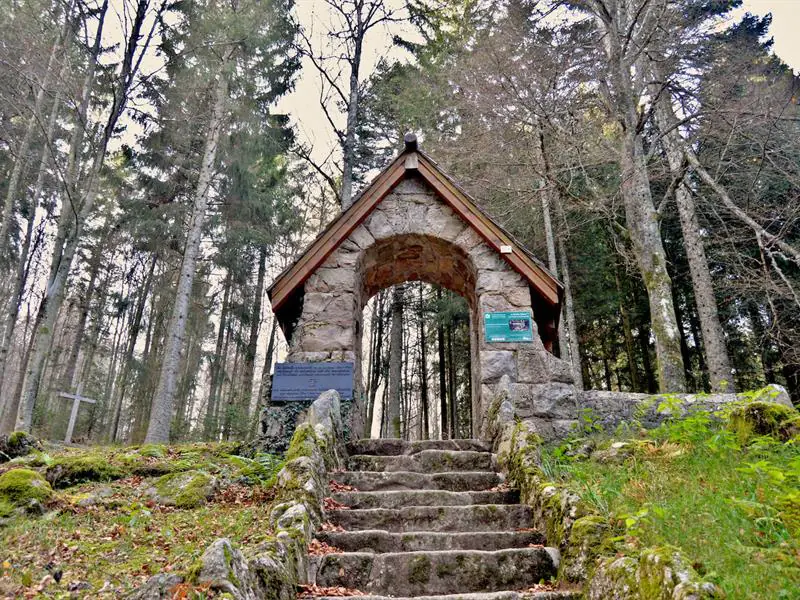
x=508, y=326
x=73, y=415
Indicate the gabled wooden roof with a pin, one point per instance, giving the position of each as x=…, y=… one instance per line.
x=413, y=160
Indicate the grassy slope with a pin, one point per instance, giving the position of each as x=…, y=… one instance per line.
x=732, y=505
x=125, y=537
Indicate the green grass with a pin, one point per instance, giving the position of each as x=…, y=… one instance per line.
x=731, y=505
x=117, y=543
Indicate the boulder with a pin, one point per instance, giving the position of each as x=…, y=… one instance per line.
x=188, y=489
x=17, y=444
x=765, y=418
x=21, y=486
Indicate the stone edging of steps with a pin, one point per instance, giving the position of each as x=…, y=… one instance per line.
x=582, y=535
x=316, y=450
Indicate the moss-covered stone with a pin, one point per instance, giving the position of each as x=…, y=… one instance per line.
x=16, y=444
x=589, y=538
x=764, y=418
x=20, y=486
x=419, y=570
x=6, y=508
x=71, y=470
x=188, y=489
x=153, y=451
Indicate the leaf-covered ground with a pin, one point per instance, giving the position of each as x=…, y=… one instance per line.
x=732, y=504
x=101, y=539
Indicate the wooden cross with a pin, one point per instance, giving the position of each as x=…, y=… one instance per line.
x=73, y=416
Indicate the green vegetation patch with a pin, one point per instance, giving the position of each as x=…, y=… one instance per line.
x=20, y=486
x=730, y=503
x=112, y=537
x=188, y=489
x=764, y=418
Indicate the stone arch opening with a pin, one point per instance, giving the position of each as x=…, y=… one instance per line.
x=418, y=257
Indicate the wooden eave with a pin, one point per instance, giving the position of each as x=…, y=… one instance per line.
x=457, y=199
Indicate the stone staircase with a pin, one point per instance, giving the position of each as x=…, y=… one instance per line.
x=430, y=519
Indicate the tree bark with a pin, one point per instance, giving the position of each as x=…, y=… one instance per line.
x=569, y=314
x=63, y=255
x=211, y=421
x=423, y=370
x=395, y=362
x=252, y=340
x=442, y=371
x=30, y=130
x=265, y=387
x=133, y=335
x=161, y=409
x=719, y=366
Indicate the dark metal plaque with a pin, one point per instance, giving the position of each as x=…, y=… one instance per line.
x=306, y=381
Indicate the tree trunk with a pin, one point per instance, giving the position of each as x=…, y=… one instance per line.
x=569, y=314
x=643, y=225
x=211, y=423
x=423, y=370
x=127, y=363
x=9, y=403
x=442, y=372
x=395, y=362
x=719, y=366
x=265, y=387
x=349, y=146
x=85, y=304
x=252, y=340
x=31, y=127
x=63, y=255
x=627, y=331
x=451, y=383
x=161, y=409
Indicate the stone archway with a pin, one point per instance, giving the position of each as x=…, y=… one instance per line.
x=413, y=223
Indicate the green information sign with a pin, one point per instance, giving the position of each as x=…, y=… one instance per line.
x=508, y=326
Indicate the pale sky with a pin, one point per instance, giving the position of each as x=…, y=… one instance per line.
x=303, y=103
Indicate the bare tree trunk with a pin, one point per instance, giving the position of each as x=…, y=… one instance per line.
x=85, y=305
x=442, y=373
x=21, y=160
x=451, y=383
x=719, y=366
x=161, y=410
x=265, y=388
x=349, y=146
x=9, y=404
x=63, y=255
x=252, y=340
x=395, y=362
x=643, y=225
x=127, y=361
x=423, y=370
x=627, y=331
x=569, y=314
x=211, y=423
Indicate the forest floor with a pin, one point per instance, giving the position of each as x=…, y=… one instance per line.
x=105, y=529
x=732, y=504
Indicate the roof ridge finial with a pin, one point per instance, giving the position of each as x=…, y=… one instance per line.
x=410, y=141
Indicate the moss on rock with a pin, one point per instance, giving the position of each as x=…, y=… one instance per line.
x=764, y=418
x=188, y=489
x=16, y=444
x=71, y=470
x=20, y=486
x=153, y=451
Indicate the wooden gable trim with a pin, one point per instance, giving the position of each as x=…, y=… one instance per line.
x=494, y=236
x=339, y=231
x=280, y=291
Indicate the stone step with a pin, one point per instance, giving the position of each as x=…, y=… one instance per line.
x=401, y=498
x=384, y=541
x=425, y=461
x=476, y=517
x=432, y=573
x=396, y=447
x=505, y=595
x=462, y=481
